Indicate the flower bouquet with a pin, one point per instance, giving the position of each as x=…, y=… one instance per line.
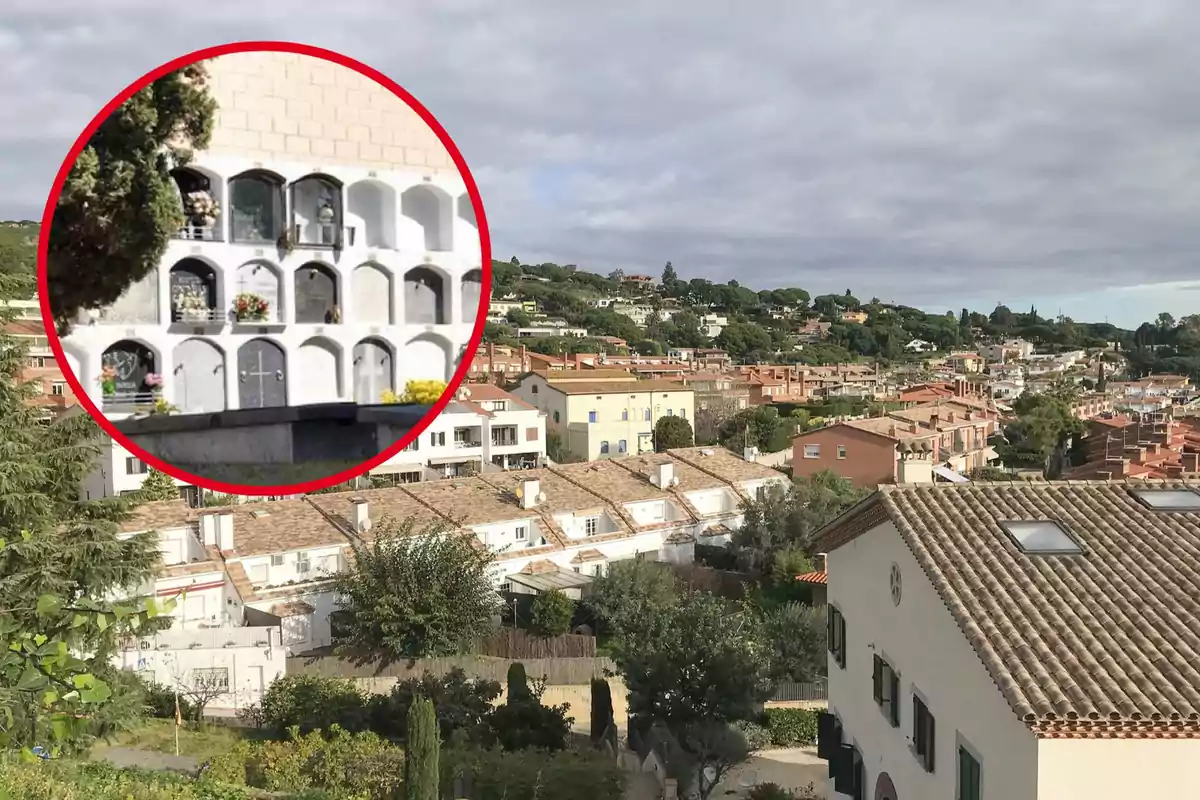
x=108, y=381
x=250, y=307
x=153, y=381
x=201, y=208
x=192, y=304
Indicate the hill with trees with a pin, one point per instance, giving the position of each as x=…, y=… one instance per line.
x=763, y=325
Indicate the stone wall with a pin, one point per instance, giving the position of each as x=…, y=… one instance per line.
x=285, y=106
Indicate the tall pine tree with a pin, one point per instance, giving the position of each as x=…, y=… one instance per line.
x=59, y=557
x=421, y=750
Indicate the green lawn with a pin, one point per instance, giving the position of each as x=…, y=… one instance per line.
x=200, y=741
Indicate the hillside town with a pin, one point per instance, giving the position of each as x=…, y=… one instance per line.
x=577, y=471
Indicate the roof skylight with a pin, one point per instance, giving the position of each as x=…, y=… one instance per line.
x=1041, y=537
x=1168, y=499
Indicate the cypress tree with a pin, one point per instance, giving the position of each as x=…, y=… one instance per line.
x=602, y=710
x=518, y=683
x=421, y=772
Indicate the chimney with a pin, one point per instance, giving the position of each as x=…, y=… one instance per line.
x=949, y=416
x=1190, y=462
x=224, y=522
x=491, y=355
x=524, y=360
x=914, y=427
x=362, y=517
x=663, y=474
x=530, y=488
x=1117, y=466
x=208, y=529
x=934, y=419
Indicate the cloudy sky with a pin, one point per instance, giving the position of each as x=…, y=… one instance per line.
x=933, y=152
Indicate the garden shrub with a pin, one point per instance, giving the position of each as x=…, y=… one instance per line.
x=503, y=775
x=462, y=705
x=757, y=737
x=792, y=727
x=313, y=702
x=421, y=754
x=551, y=613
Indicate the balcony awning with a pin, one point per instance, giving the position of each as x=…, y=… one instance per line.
x=547, y=581
x=463, y=459
x=950, y=475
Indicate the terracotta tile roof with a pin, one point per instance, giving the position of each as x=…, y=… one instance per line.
x=158, y=515
x=584, y=556
x=611, y=482
x=489, y=391
x=723, y=464
x=690, y=478
x=588, y=375
x=188, y=570
x=562, y=496
x=470, y=501
x=1103, y=644
x=813, y=577
x=618, y=387
x=391, y=502
x=280, y=526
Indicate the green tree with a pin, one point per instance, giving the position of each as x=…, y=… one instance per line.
x=415, y=593
x=626, y=598
x=421, y=772
x=518, y=317
x=551, y=613
x=797, y=633
x=672, y=432
x=119, y=206
x=669, y=284
x=761, y=427
x=699, y=661
x=602, y=709
x=158, y=486
x=787, y=518
x=518, y=683
x=58, y=558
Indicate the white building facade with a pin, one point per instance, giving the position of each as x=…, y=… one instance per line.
x=330, y=253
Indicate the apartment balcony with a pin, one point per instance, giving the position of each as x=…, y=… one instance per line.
x=205, y=639
x=467, y=444
x=130, y=402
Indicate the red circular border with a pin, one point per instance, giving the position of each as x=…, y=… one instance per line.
x=485, y=246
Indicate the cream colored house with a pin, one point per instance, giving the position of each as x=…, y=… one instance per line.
x=608, y=417
x=1015, y=641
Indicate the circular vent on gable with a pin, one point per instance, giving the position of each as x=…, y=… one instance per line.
x=895, y=584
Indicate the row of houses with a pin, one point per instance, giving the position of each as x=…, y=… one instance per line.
x=254, y=577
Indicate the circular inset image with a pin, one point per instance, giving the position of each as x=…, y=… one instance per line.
x=265, y=268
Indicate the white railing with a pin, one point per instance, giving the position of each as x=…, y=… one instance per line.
x=206, y=638
x=199, y=233
x=128, y=401
x=198, y=315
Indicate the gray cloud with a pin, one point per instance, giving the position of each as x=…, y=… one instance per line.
x=913, y=150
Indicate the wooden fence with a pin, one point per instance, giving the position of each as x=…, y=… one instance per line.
x=519, y=644
x=715, y=581
x=558, y=671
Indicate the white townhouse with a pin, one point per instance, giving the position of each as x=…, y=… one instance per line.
x=1015, y=641
x=330, y=253
x=255, y=576
x=486, y=429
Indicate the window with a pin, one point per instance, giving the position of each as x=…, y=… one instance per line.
x=533, y=389
x=1168, y=499
x=624, y=414
x=413, y=446
x=812, y=451
x=575, y=568
x=211, y=678
x=437, y=439
x=970, y=781
x=670, y=412
x=135, y=466
x=556, y=417
x=683, y=413
x=603, y=448
x=38, y=362
x=522, y=533
x=591, y=525
x=622, y=446
x=836, y=634
x=591, y=416
x=277, y=561
x=1041, y=537
x=923, y=734
x=647, y=417
x=886, y=684
x=505, y=588
x=841, y=451
x=58, y=388
x=303, y=565
x=500, y=405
